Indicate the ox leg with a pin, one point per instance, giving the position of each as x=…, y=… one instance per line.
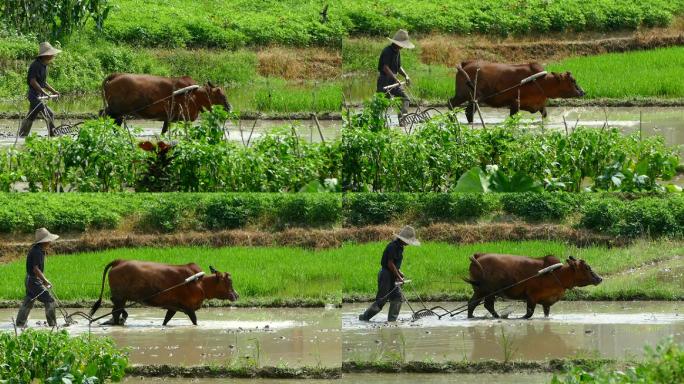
x=547, y=309
x=472, y=304
x=192, y=316
x=470, y=112
x=530, y=309
x=513, y=110
x=119, y=314
x=489, y=305
x=543, y=112
x=165, y=127
x=169, y=315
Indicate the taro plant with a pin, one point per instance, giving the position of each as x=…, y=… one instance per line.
x=102, y=158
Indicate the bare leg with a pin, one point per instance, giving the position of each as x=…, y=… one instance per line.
x=24, y=311
x=489, y=305
x=169, y=315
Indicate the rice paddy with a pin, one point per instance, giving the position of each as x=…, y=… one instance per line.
x=294, y=276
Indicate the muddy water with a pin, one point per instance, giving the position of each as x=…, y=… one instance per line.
x=296, y=337
x=244, y=132
x=574, y=329
x=372, y=378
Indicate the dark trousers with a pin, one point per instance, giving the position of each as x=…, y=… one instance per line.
x=387, y=291
x=37, y=109
x=394, y=92
x=36, y=292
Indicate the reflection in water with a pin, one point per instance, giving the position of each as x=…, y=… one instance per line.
x=295, y=337
x=611, y=330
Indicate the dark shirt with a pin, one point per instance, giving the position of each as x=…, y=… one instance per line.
x=390, y=57
x=36, y=257
x=394, y=251
x=37, y=70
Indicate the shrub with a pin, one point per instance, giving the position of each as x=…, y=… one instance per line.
x=308, y=210
x=663, y=364
x=647, y=216
x=451, y=207
x=170, y=213
x=233, y=211
x=602, y=214
x=374, y=208
x=537, y=207
x=55, y=357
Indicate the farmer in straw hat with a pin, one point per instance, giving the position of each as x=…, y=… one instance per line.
x=390, y=274
x=389, y=66
x=36, y=282
x=38, y=86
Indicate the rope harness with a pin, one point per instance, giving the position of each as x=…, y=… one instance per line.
x=69, y=317
x=443, y=312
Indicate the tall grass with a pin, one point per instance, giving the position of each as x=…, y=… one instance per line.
x=654, y=73
x=277, y=274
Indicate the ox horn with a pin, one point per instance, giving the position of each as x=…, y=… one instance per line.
x=212, y=269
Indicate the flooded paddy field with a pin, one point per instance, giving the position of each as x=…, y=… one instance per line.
x=664, y=121
x=273, y=336
x=242, y=132
x=371, y=378
x=616, y=330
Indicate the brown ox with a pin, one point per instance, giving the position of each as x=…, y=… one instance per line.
x=495, y=77
x=491, y=272
x=142, y=281
x=151, y=97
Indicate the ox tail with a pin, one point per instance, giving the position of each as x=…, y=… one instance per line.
x=97, y=304
x=470, y=280
x=462, y=71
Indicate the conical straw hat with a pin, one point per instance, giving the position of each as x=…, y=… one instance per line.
x=408, y=235
x=401, y=38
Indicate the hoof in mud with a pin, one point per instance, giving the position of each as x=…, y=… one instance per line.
x=111, y=322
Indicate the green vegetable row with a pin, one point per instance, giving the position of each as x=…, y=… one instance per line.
x=230, y=24
x=628, y=215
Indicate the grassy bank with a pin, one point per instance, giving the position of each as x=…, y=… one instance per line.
x=278, y=275
x=644, y=75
